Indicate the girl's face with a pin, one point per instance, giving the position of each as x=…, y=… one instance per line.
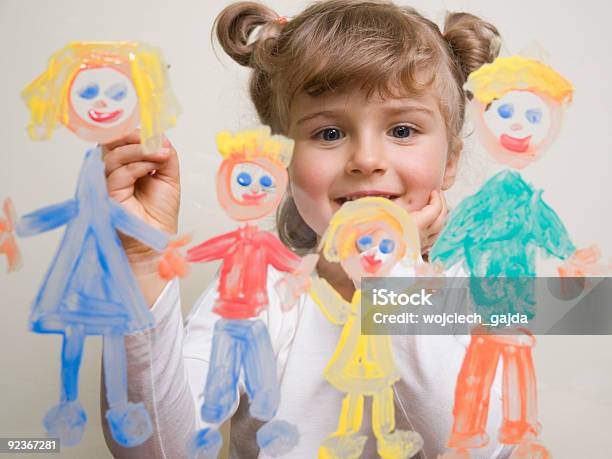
x=348, y=146
x=103, y=104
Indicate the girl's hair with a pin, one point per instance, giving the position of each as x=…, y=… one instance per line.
x=47, y=96
x=390, y=50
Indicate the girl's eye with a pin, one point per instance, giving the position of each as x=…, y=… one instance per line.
x=386, y=246
x=265, y=181
x=330, y=134
x=364, y=243
x=244, y=179
x=506, y=110
x=90, y=91
x=117, y=91
x=402, y=132
x=533, y=115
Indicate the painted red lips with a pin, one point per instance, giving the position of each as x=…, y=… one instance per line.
x=514, y=144
x=104, y=117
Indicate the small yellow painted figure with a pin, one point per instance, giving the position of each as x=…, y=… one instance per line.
x=367, y=237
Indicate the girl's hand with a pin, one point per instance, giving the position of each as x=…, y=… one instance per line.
x=431, y=220
x=148, y=186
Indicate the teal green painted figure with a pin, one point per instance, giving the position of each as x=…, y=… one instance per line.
x=497, y=233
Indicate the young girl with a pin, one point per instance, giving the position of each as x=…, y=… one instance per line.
x=371, y=93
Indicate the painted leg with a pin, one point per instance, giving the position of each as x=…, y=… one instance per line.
x=519, y=409
x=276, y=437
x=391, y=443
x=472, y=394
x=346, y=443
x=221, y=389
x=129, y=423
x=67, y=420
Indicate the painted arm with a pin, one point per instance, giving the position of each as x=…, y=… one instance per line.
x=136, y=228
x=47, y=218
x=335, y=308
x=278, y=254
x=549, y=232
x=213, y=249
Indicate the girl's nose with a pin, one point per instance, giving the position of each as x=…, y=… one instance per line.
x=516, y=126
x=99, y=104
x=367, y=159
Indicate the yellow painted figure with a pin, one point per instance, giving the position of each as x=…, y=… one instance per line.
x=367, y=237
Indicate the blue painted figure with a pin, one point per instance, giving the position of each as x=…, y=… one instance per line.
x=89, y=288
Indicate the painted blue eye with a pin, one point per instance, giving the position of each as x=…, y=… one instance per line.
x=265, y=181
x=244, y=179
x=534, y=115
x=364, y=243
x=506, y=110
x=90, y=91
x=117, y=91
x=386, y=246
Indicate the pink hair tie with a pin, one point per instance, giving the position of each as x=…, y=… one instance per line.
x=281, y=20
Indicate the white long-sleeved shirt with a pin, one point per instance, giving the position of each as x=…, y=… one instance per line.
x=167, y=368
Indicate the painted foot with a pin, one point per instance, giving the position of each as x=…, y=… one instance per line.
x=400, y=444
x=348, y=446
x=67, y=422
x=530, y=449
x=456, y=454
x=276, y=438
x=205, y=444
x=130, y=426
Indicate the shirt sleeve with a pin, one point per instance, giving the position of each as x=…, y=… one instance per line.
x=212, y=249
x=157, y=376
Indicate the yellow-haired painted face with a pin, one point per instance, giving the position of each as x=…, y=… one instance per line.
x=102, y=91
x=252, y=179
x=517, y=108
x=369, y=236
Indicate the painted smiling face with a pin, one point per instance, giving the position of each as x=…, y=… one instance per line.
x=103, y=104
x=250, y=189
x=517, y=128
x=377, y=248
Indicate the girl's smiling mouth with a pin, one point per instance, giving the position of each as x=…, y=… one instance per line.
x=514, y=144
x=104, y=117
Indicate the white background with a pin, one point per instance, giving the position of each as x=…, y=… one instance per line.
x=574, y=373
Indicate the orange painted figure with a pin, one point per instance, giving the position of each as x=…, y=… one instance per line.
x=8, y=245
x=367, y=237
x=517, y=109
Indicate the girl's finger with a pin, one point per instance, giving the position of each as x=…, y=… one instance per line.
x=132, y=138
x=438, y=224
x=126, y=176
x=127, y=154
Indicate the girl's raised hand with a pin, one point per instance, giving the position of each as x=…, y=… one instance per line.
x=147, y=185
x=431, y=220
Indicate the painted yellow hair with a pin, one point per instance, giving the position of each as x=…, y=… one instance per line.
x=255, y=143
x=339, y=238
x=492, y=81
x=47, y=96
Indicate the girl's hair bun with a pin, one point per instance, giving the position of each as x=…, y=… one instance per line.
x=474, y=42
x=235, y=27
